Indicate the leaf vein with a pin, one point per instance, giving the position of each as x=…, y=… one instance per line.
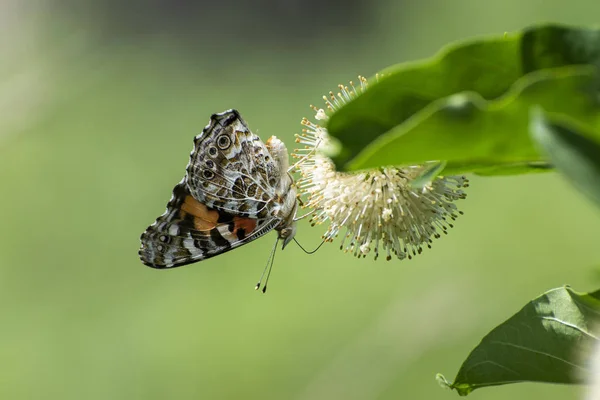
x=536, y=352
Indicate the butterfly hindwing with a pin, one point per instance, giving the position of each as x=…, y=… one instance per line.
x=189, y=231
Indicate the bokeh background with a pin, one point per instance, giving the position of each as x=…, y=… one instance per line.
x=99, y=102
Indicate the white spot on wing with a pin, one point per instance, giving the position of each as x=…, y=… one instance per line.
x=173, y=230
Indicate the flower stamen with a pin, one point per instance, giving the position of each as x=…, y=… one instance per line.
x=377, y=206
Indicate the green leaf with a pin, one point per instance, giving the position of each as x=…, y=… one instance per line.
x=573, y=154
x=405, y=89
x=477, y=75
x=517, y=168
x=552, y=46
x=491, y=137
x=428, y=175
x=543, y=342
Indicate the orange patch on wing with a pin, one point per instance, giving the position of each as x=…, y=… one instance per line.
x=247, y=224
x=205, y=219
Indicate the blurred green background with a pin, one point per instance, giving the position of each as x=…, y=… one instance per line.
x=99, y=105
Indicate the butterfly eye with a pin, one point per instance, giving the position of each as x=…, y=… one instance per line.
x=212, y=151
x=208, y=174
x=223, y=142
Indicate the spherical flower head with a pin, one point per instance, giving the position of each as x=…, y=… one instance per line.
x=381, y=210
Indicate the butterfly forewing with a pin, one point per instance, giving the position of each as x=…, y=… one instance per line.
x=231, y=168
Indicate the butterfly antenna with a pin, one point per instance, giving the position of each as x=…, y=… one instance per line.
x=269, y=266
x=309, y=252
x=264, y=289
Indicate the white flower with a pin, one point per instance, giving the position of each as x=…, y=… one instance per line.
x=379, y=209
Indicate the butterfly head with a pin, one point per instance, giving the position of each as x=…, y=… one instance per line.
x=287, y=234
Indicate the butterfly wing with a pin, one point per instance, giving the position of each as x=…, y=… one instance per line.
x=231, y=169
x=189, y=231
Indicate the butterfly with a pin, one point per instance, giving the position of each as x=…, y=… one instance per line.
x=236, y=189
